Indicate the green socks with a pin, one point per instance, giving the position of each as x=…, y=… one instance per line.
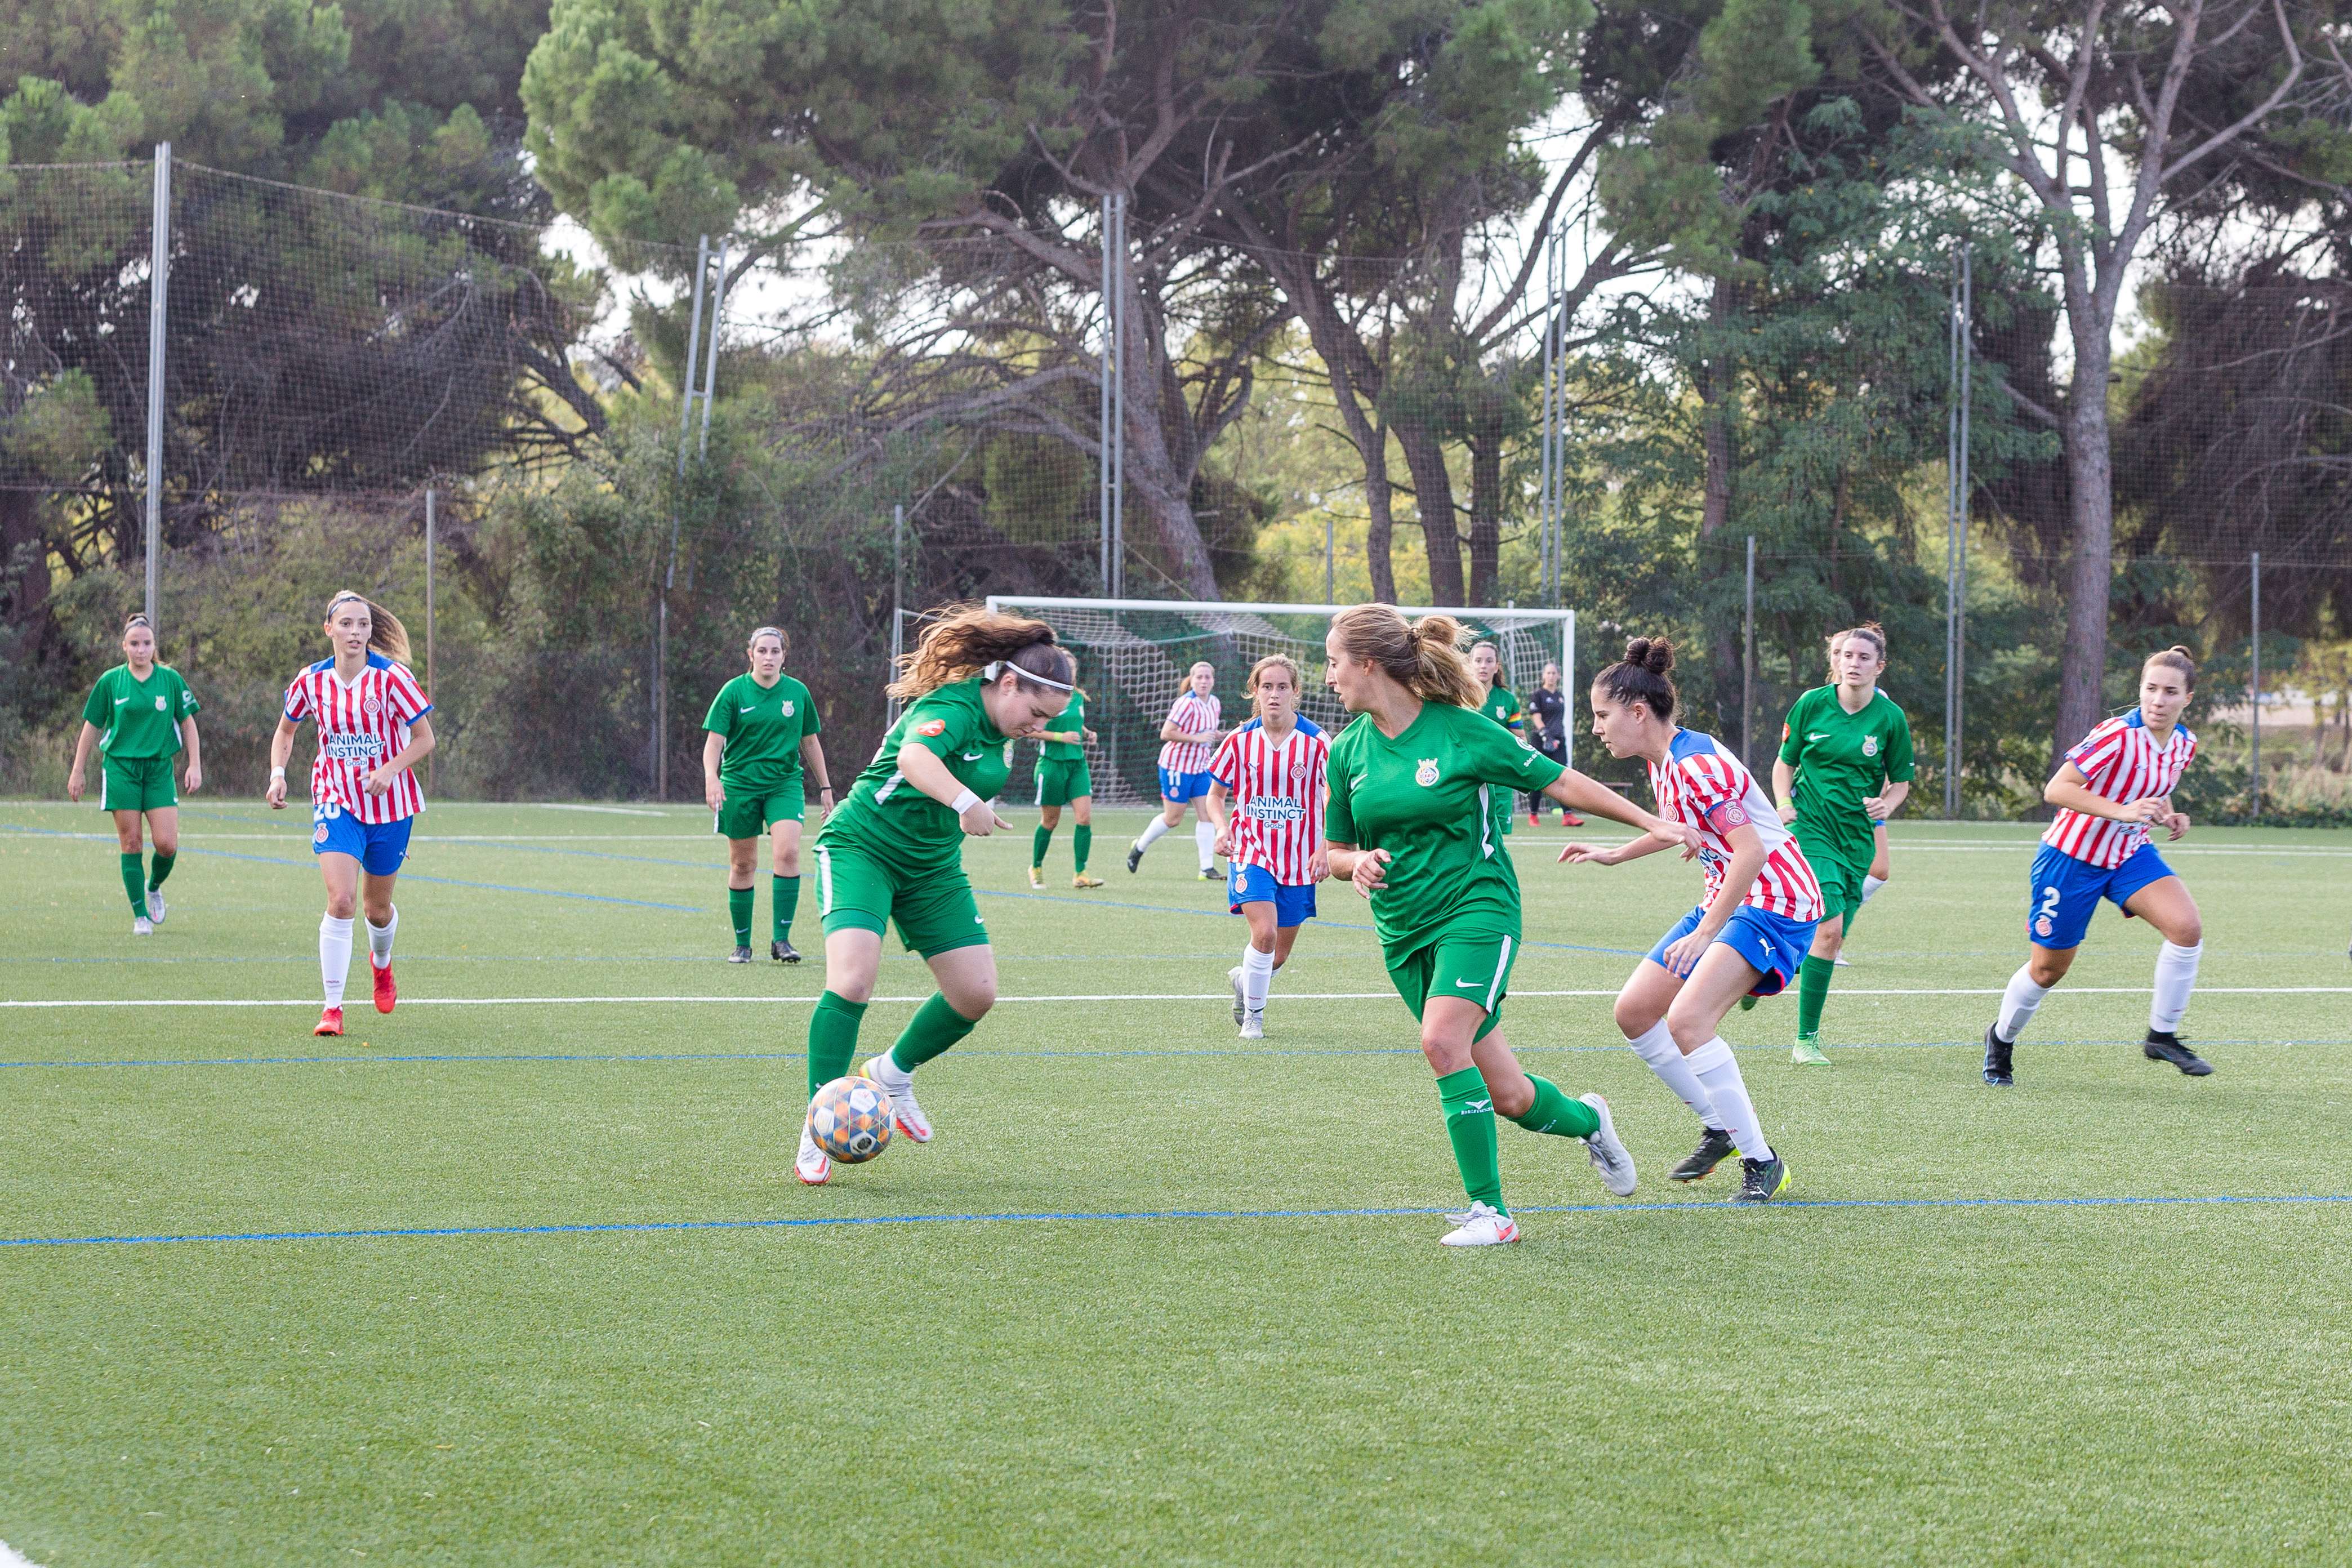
x=1041, y=838
x=739, y=914
x=1470, y=1127
x=162, y=868
x=787, y=901
x=134, y=882
x=1082, y=838
x=934, y=1027
x=1554, y=1111
x=832, y=1039
x=1812, y=990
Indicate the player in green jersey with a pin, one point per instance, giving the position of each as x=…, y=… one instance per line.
x=1410, y=823
x=760, y=730
x=1063, y=780
x=1497, y=702
x=1845, y=766
x=894, y=852
x=139, y=715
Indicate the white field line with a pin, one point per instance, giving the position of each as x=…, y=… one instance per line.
x=607, y=810
x=1225, y=996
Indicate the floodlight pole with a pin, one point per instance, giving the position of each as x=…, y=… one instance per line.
x=710, y=368
x=158, y=276
x=1747, y=664
x=429, y=771
x=659, y=740
x=897, y=598
x=2254, y=688
x=1955, y=526
x=1104, y=429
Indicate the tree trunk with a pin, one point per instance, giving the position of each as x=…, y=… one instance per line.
x=1380, y=527
x=2090, y=480
x=1163, y=484
x=1716, y=391
x=24, y=564
x=1432, y=490
x=1485, y=518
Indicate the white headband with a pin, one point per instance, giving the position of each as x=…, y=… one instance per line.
x=995, y=667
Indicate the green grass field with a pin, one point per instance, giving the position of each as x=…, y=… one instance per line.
x=1152, y=1296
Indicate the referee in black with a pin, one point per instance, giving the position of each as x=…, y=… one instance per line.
x=1547, y=709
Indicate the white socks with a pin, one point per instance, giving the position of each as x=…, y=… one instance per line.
x=1870, y=884
x=380, y=938
x=1153, y=832
x=1727, y=1092
x=2175, y=973
x=1204, y=834
x=1658, y=1048
x=1257, y=978
x=2019, y=1002
x=334, y=956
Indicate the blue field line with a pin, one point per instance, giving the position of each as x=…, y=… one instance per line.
x=1227, y=914
x=1046, y=1217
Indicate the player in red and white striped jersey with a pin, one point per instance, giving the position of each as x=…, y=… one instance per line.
x=1265, y=796
x=2114, y=786
x=1748, y=936
x=1190, y=733
x=372, y=731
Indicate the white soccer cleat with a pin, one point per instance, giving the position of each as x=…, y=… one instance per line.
x=1253, y=1025
x=155, y=905
x=900, y=1086
x=1840, y=962
x=1482, y=1226
x=1241, y=1003
x=1611, y=1158
x=811, y=1164
x=141, y=926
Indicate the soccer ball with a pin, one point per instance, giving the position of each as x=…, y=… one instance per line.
x=850, y=1119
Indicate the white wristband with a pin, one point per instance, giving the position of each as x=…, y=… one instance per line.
x=278, y=773
x=963, y=802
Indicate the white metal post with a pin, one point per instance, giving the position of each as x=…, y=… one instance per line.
x=660, y=738
x=1747, y=664
x=898, y=597
x=710, y=370
x=429, y=771
x=2255, y=686
x=1568, y=685
x=1105, y=431
x=158, y=276
x=1119, y=404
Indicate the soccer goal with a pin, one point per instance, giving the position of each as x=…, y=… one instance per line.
x=1133, y=653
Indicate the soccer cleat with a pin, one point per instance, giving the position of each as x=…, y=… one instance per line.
x=386, y=992
x=1996, y=1069
x=1083, y=880
x=1134, y=855
x=810, y=1165
x=1840, y=962
x=1715, y=1146
x=141, y=926
x=741, y=955
x=155, y=905
x=1482, y=1226
x=1611, y=1158
x=1761, y=1181
x=783, y=952
x=330, y=1022
x=1569, y=819
x=1806, y=1053
x=1241, y=1003
x=1535, y=820
x=899, y=1084
x=1037, y=877
x=2166, y=1046
x=1253, y=1025
x=1211, y=874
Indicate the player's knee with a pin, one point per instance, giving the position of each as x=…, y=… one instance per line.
x=788, y=862
x=342, y=906
x=1690, y=1030
x=2047, y=970
x=168, y=843
x=2185, y=933
x=858, y=988
x=973, y=998
x=1633, y=1020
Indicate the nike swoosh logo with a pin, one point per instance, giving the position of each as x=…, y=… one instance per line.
x=972, y=756
x=120, y=700
x=1817, y=737
x=1467, y=984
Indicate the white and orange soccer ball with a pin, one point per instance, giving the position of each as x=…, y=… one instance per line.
x=850, y=1119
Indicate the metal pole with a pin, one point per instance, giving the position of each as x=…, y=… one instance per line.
x=1747, y=661
x=1567, y=689
x=159, y=274
x=1118, y=446
x=1329, y=534
x=2255, y=686
x=1544, y=486
x=659, y=741
x=898, y=596
x=428, y=621
x=710, y=370
x=1103, y=428
x=1959, y=662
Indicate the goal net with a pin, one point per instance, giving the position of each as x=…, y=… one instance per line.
x=1134, y=654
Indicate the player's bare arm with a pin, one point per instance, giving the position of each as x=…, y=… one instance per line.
x=81, y=760
x=922, y=768
x=1582, y=793
x=281, y=747
x=1217, y=805
x=714, y=747
x=2069, y=788
x=813, y=764
x=1784, y=790
x=194, y=777
x=1886, y=802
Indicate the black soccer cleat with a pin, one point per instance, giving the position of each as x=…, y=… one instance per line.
x=1134, y=856
x=783, y=952
x=1761, y=1181
x=2166, y=1048
x=1997, y=1070
x=741, y=955
x=1715, y=1146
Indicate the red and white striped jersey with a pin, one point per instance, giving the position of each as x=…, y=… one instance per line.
x=360, y=726
x=1276, y=795
x=1706, y=784
x=2123, y=763
x=1193, y=714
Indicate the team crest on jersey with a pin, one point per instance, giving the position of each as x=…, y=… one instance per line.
x=2042, y=927
x=788, y=707
x=1870, y=745
x=162, y=705
x=318, y=833
x=1426, y=774
x=374, y=706
x=931, y=727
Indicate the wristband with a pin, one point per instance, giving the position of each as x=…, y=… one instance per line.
x=278, y=773
x=963, y=802
x=1786, y=803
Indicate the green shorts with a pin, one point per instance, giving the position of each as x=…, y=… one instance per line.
x=1841, y=883
x=935, y=912
x=1473, y=967
x=1058, y=784
x=747, y=812
x=136, y=783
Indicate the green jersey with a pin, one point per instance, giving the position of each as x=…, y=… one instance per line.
x=139, y=718
x=897, y=823
x=1072, y=718
x=1503, y=707
x=1422, y=797
x=764, y=726
x=1841, y=760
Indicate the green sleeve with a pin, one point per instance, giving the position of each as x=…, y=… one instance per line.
x=99, y=709
x=812, y=722
x=1900, y=765
x=1792, y=731
x=189, y=706
x=720, y=720
x=1497, y=758
x=1339, y=805
x=951, y=713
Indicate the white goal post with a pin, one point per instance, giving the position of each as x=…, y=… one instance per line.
x=1133, y=655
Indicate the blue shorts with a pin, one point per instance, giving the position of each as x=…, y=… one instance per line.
x=1773, y=943
x=1256, y=885
x=378, y=846
x=1174, y=785
x=2065, y=891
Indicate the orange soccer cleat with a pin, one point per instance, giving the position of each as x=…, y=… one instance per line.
x=386, y=992
x=330, y=1022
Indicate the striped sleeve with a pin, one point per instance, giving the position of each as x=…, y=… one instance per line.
x=2097, y=754
x=408, y=701
x=1227, y=767
x=297, y=699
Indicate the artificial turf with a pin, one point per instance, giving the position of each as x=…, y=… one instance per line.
x=1265, y=1358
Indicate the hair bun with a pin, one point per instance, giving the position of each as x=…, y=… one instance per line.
x=1655, y=655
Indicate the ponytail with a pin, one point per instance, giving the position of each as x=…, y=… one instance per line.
x=1642, y=677
x=971, y=641
x=387, y=635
